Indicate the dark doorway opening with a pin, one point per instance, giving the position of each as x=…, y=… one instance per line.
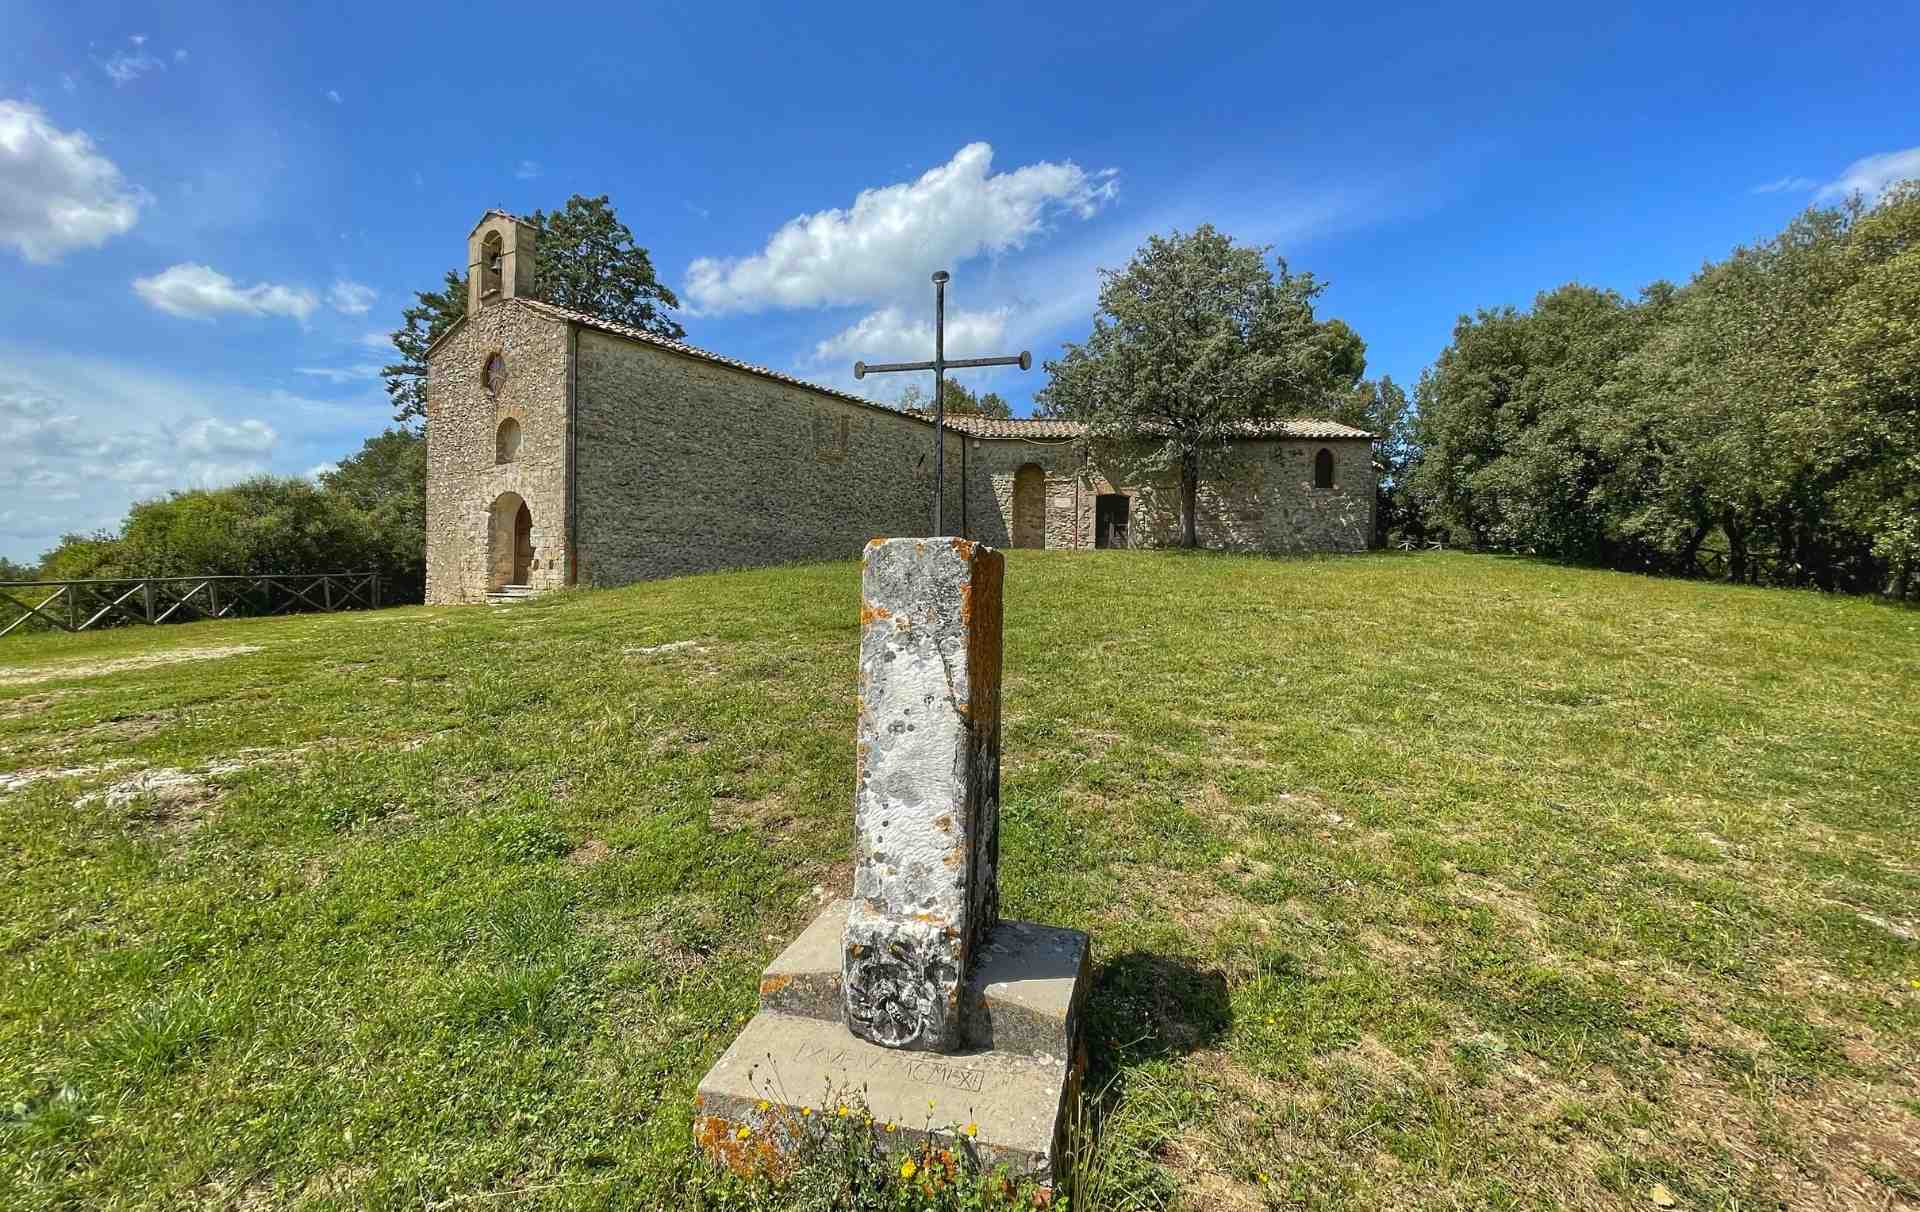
x=1110, y=519
x=522, y=546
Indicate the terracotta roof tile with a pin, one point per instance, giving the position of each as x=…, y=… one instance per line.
x=971, y=424
x=1307, y=428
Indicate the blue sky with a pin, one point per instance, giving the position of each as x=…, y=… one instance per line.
x=210, y=215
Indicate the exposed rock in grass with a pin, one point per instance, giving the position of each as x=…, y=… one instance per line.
x=669, y=646
x=30, y=674
x=19, y=779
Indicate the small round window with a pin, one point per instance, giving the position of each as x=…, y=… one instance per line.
x=494, y=373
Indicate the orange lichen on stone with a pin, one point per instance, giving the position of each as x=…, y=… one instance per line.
x=774, y=984
x=870, y=614
x=756, y=1153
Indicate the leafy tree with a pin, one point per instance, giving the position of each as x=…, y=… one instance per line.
x=387, y=482
x=1380, y=406
x=433, y=313
x=266, y=524
x=587, y=261
x=10, y=571
x=1866, y=399
x=1506, y=424
x=957, y=399
x=77, y=557
x=1195, y=339
x=1769, y=409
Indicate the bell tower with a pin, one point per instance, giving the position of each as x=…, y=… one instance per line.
x=500, y=259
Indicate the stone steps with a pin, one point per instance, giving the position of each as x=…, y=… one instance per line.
x=507, y=595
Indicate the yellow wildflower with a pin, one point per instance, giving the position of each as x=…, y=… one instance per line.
x=1262, y=1176
x=889, y=1125
x=806, y=1110
x=843, y=1110
x=744, y=1132
x=973, y=1129
x=907, y=1168
x=762, y=1105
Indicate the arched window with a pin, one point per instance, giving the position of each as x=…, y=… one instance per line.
x=492, y=251
x=1323, y=469
x=506, y=441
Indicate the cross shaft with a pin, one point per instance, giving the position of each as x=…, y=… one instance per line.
x=939, y=366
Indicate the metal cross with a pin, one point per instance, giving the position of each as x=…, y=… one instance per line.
x=939, y=366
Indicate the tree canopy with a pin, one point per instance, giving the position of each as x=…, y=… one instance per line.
x=957, y=398
x=586, y=260
x=1763, y=419
x=1196, y=338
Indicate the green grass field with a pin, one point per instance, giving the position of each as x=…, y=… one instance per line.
x=1414, y=881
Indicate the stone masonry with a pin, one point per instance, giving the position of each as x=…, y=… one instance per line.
x=640, y=457
x=927, y=788
x=913, y=1001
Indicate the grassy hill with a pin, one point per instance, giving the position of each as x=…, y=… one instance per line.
x=1436, y=880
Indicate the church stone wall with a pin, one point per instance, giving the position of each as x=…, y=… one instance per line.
x=463, y=478
x=690, y=466
x=1259, y=496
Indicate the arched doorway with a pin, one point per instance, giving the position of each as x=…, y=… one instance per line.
x=1030, y=506
x=509, y=542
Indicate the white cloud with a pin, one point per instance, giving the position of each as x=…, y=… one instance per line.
x=68, y=82
x=126, y=66
x=86, y=437
x=321, y=469
x=351, y=298
x=333, y=95
x=68, y=472
x=375, y=340
x=1786, y=185
x=200, y=291
x=211, y=436
x=57, y=193
x=892, y=237
x=893, y=335
x=1871, y=175
x=527, y=170
x=180, y=56
x=361, y=373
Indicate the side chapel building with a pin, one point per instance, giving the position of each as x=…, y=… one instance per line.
x=566, y=449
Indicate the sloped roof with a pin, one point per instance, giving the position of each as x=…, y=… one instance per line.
x=974, y=425
x=586, y=320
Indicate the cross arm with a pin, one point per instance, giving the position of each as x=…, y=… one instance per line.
x=862, y=369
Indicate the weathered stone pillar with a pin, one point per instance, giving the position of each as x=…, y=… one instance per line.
x=927, y=797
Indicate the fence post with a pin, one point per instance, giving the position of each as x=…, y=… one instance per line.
x=213, y=600
x=326, y=591
x=146, y=597
x=73, y=607
x=374, y=592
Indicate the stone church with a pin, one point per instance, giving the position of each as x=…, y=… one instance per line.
x=565, y=449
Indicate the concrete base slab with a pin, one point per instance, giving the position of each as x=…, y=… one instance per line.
x=1013, y=1081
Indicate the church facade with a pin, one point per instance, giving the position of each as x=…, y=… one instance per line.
x=565, y=449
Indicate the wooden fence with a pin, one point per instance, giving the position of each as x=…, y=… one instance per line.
x=79, y=605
